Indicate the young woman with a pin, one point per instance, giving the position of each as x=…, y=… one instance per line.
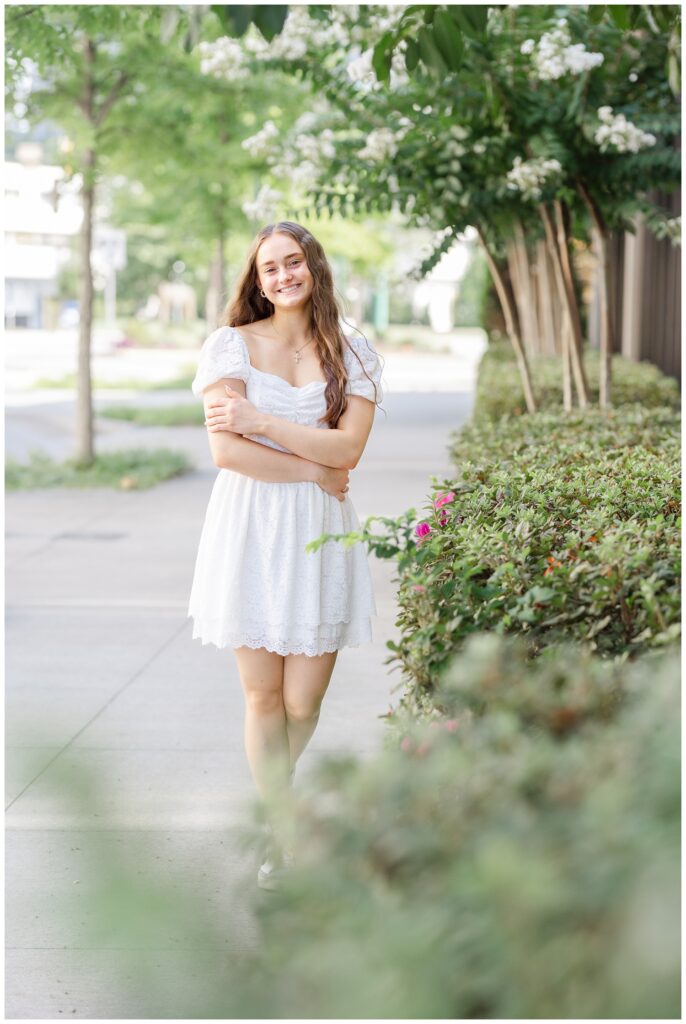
x=289, y=402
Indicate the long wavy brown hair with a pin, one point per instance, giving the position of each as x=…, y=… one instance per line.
x=247, y=305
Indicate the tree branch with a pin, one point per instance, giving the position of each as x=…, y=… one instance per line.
x=114, y=93
x=14, y=18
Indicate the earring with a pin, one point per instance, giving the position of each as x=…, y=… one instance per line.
x=262, y=294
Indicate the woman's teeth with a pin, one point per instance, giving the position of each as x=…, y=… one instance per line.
x=291, y=288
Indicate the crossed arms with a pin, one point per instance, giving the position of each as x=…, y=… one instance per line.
x=311, y=447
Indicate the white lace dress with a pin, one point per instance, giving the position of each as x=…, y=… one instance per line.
x=254, y=584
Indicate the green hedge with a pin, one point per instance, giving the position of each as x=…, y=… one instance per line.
x=555, y=526
x=560, y=528
x=518, y=860
x=499, y=389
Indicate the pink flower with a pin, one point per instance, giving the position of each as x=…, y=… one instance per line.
x=451, y=724
x=420, y=588
x=406, y=744
x=422, y=530
x=443, y=497
x=443, y=518
x=422, y=749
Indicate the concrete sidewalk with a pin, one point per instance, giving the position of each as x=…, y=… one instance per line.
x=102, y=676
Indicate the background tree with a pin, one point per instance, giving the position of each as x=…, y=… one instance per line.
x=492, y=117
x=83, y=63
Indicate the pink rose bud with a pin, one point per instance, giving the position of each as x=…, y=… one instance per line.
x=419, y=588
x=422, y=749
x=406, y=743
x=451, y=724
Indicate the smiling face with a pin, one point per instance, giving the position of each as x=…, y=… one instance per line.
x=282, y=272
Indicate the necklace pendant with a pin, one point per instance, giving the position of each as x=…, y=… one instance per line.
x=297, y=357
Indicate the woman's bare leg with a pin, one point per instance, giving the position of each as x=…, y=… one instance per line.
x=305, y=681
x=266, y=739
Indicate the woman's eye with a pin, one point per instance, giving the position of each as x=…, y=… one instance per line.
x=293, y=263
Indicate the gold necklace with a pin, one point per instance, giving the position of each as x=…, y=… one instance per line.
x=298, y=350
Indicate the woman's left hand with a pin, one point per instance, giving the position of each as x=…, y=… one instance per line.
x=234, y=413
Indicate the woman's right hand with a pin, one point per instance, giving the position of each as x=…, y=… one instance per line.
x=333, y=480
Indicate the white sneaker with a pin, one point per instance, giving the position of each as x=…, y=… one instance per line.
x=272, y=872
x=279, y=860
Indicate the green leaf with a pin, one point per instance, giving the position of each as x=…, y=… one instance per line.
x=431, y=55
x=236, y=18
x=619, y=14
x=382, y=56
x=270, y=19
x=674, y=74
x=541, y=594
x=448, y=39
x=472, y=20
x=411, y=55
x=595, y=13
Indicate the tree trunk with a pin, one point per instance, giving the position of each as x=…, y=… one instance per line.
x=85, y=454
x=600, y=245
x=527, y=305
x=215, y=296
x=571, y=321
x=567, y=343
x=576, y=340
x=545, y=295
x=509, y=309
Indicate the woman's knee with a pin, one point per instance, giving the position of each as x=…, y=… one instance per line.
x=263, y=700
x=302, y=709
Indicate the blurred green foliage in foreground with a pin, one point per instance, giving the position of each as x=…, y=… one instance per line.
x=516, y=858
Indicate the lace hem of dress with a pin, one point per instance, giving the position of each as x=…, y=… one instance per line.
x=351, y=638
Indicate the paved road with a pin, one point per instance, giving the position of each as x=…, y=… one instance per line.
x=103, y=680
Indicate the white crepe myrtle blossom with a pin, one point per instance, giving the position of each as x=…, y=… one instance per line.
x=399, y=75
x=458, y=132
x=264, y=206
x=302, y=173
x=495, y=21
x=301, y=32
x=261, y=143
x=527, y=176
x=254, y=42
x=555, y=55
x=360, y=68
x=615, y=132
x=223, y=58
x=380, y=145
x=307, y=121
x=673, y=228
x=314, y=147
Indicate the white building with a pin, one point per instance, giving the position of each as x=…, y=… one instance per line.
x=439, y=289
x=43, y=215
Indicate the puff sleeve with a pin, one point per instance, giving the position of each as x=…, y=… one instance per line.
x=223, y=354
x=358, y=382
